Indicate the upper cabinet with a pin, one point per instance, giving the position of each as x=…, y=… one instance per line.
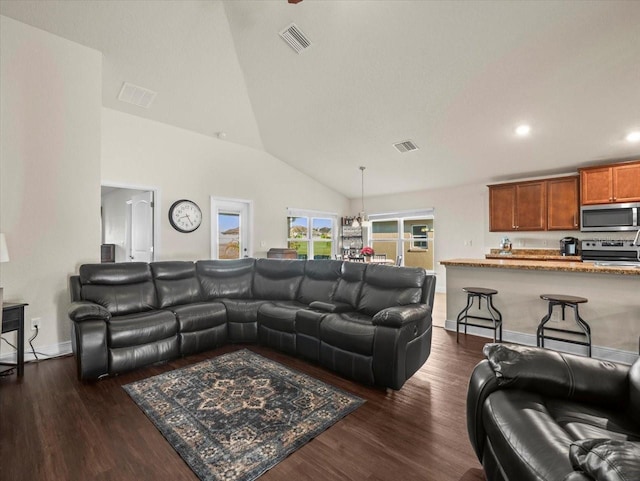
x=548, y=204
x=610, y=184
x=518, y=207
x=562, y=204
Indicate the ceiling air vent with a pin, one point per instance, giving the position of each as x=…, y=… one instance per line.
x=136, y=95
x=406, y=146
x=295, y=38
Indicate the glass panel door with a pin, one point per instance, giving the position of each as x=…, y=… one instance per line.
x=230, y=229
x=228, y=235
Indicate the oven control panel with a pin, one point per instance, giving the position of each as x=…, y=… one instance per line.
x=597, y=244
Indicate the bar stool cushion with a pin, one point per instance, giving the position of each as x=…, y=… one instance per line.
x=563, y=298
x=480, y=290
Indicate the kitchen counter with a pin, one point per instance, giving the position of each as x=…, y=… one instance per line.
x=543, y=265
x=533, y=255
x=612, y=310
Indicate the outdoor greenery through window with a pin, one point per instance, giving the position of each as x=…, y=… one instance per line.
x=311, y=237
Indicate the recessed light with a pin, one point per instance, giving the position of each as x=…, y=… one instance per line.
x=523, y=130
x=633, y=136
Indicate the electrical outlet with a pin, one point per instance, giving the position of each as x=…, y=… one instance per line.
x=35, y=323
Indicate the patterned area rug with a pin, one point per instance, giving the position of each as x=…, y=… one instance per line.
x=238, y=415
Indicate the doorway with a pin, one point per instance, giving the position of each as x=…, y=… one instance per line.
x=231, y=224
x=129, y=224
x=407, y=236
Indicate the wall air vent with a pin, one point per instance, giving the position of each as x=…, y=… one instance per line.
x=405, y=146
x=295, y=38
x=136, y=95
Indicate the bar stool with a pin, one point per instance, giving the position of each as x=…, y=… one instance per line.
x=564, y=301
x=496, y=317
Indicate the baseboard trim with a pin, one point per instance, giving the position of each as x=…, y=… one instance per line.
x=598, y=352
x=43, y=352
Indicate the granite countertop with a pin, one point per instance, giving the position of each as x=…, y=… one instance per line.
x=546, y=265
x=533, y=254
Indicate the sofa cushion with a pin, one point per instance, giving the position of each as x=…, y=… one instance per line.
x=176, y=283
x=141, y=328
x=120, y=288
x=350, y=283
x=586, y=420
x=352, y=332
x=387, y=286
x=279, y=315
x=606, y=460
x=320, y=280
x=200, y=316
x=277, y=279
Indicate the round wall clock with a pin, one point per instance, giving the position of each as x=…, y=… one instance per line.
x=185, y=215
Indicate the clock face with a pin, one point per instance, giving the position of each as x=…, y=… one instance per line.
x=185, y=216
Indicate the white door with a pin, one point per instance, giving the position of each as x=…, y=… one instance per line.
x=230, y=229
x=142, y=227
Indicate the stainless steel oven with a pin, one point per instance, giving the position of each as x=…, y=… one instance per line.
x=609, y=217
x=612, y=252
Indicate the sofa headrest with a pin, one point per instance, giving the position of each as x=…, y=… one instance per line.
x=226, y=279
x=280, y=268
x=390, y=276
x=277, y=278
x=227, y=268
x=173, y=270
x=320, y=280
x=323, y=270
x=115, y=274
x=353, y=271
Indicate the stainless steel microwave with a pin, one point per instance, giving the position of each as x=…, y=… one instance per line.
x=609, y=217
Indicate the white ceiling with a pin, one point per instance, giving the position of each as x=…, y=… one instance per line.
x=456, y=77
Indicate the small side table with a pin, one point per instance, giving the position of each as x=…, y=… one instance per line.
x=13, y=320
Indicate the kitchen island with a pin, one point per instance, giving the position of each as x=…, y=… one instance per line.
x=613, y=310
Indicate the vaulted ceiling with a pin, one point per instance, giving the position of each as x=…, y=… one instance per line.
x=455, y=77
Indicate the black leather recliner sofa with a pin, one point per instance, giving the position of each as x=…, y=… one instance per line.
x=369, y=322
x=536, y=414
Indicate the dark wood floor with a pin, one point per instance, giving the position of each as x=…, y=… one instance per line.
x=52, y=427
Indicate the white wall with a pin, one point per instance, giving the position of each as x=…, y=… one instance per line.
x=50, y=96
x=187, y=165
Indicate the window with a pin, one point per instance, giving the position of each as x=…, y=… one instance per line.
x=311, y=234
x=419, y=237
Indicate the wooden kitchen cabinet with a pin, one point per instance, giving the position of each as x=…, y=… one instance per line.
x=520, y=206
x=610, y=184
x=562, y=203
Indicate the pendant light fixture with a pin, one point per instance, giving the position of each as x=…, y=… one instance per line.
x=361, y=220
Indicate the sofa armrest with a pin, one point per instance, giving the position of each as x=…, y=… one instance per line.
x=559, y=375
x=335, y=307
x=482, y=383
x=399, y=316
x=83, y=311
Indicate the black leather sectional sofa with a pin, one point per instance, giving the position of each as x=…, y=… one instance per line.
x=536, y=414
x=368, y=322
